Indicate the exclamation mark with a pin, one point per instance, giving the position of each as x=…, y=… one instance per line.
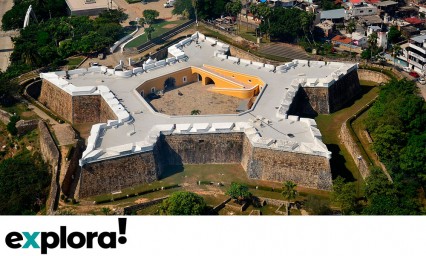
x=122, y=230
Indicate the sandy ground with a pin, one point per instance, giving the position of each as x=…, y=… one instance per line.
x=6, y=45
x=195, y=96
x=135, y=10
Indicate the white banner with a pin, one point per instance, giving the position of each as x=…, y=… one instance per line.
x=187, y=236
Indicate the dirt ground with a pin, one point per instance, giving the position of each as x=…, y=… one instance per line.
x=135, y=10
x=195, y=97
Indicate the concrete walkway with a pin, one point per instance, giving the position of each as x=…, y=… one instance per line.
x=6, y=45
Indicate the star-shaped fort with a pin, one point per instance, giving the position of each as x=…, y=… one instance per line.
x=131, y=143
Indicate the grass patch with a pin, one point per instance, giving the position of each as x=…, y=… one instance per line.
x=342, y=163
x=206, y=31
x=159, y=29
x=74, y=61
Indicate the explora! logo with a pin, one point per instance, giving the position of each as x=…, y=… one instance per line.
x=76, y=240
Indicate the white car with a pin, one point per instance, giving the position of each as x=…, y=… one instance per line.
x=422, y=80
x=406, y=69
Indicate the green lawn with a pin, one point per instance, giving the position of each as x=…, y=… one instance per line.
x=74, y=61
x=329, y=125
x=159, y=30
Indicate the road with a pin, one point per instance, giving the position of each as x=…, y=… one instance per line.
x=6, y=45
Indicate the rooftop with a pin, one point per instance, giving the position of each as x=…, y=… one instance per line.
x=341, y=39
x=75, y=5
x=266, y=124
x=333, y=14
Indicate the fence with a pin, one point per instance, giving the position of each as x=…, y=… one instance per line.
x=163, y=37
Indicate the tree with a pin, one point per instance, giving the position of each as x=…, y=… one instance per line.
x=106, y=210
x=11, y=126
x=394, y=35
x=344, y=194
x=8, y=90
x=182, y=6
x=239, y=192
x=195, y=112
x=113, y=16
x=372, y=43
x=289, y=191
x=183, y=203
x=317, y=205
x=150, y=16
x=234, y=8
x=396, y=51
x=24, y=184
x=350, y=26
x=149, y=31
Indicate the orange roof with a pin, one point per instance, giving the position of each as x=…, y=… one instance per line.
x=341, y=39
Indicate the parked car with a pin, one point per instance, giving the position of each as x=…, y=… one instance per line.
x=422, y=80
x=406, y=69
x=414, y=74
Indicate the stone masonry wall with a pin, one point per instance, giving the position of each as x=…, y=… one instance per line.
x=305, y=170
x=354, y=150
x=4, y=116
x=328, y=100
x=56, y=100
x=25, y=126
x=106, y=112
x=343, y=91
x=51, y=156
x=374, y=76
x=85, y=109
x=113, y=175
x=201, y=148
x=77, y=109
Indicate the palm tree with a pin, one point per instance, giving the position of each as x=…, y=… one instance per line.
x=372, y=42
x=106, y=210
x=396, y=50
x=350, y=28
x=289, y=191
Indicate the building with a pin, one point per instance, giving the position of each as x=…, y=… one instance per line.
x=388, y=7
x=361, y=9
x=416, y=52
x=89, y=7
x=326, y=27
x=382, y=36
x=131, y=143
x=359, y=39
x=336, y=16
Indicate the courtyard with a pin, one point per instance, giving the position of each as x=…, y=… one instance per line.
x=195, y=98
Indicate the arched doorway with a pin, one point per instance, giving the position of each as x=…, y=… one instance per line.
x=208, y=80
x=169, y=83
x=197, y=77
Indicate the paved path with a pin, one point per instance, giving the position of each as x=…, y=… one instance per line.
x=284, y=50
x=6, y=45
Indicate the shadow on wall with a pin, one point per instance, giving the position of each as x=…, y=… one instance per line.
x=364, y=89
x=170, y=170
x=337, y=164
x=301, y=105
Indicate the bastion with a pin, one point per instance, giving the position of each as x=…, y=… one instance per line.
x=131, y=143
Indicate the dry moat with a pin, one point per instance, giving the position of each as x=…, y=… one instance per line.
x=185, y=99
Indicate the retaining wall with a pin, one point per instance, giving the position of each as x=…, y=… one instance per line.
x=130, y=209
x=374, y=76
x=347, y=139
x=51, y=156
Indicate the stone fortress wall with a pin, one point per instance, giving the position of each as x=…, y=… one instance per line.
x=137, y=163
x=326, y=100
x=260, y=163
x=76, y=110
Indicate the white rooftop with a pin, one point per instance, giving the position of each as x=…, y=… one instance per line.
x=266, y=124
